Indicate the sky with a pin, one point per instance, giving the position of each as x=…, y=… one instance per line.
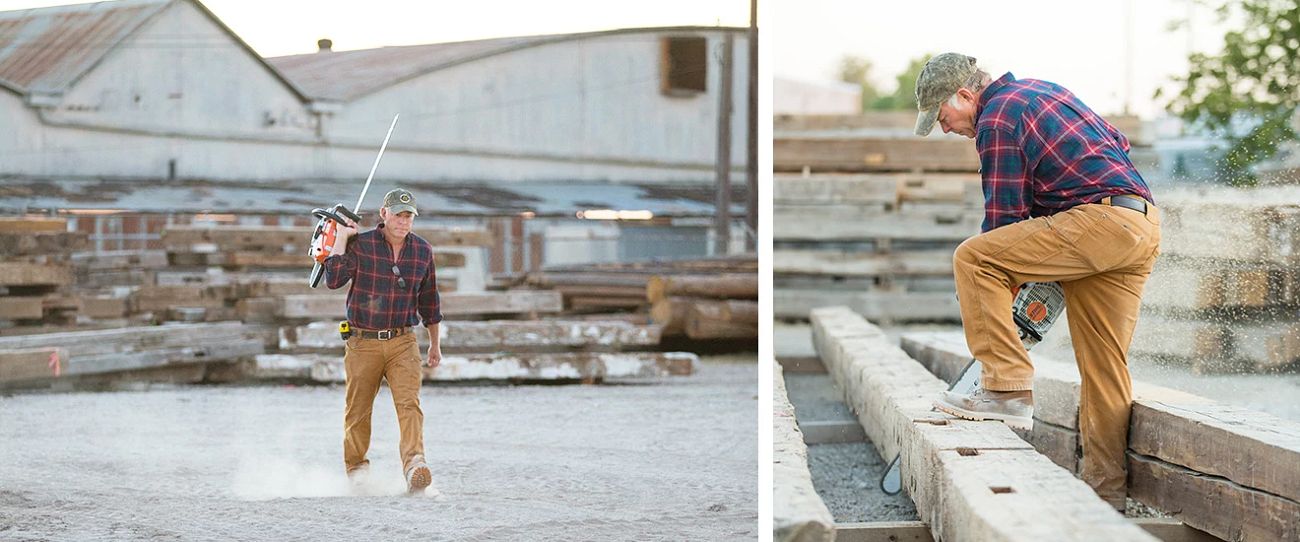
x=286, y=27
x=1079, y=45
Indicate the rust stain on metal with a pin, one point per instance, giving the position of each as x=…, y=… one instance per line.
x=47, y=49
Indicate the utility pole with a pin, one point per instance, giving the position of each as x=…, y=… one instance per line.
x=722, y=169
x=751, y=158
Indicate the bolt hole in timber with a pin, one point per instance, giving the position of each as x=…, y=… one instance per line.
x=1036, y=307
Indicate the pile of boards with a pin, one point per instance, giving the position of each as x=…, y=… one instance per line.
x=693, y=300
x=36, y=273
x=1225, y=292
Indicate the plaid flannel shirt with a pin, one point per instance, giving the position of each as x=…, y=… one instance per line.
x=377, y=299
x=1042, y=151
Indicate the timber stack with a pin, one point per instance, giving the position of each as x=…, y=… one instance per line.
x=1225, y=290
x=36, y=273
x=869, y=215
x=693, y=300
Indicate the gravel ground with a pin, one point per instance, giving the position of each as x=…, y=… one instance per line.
x=673, y=460
x=845, y=475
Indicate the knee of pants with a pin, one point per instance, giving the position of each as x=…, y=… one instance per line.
x=407, y=403
x=966, y=255
x=357, y=413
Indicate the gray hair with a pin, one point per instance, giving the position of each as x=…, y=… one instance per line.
x=975, y=84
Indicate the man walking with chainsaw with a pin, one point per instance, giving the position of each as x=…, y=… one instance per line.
x=393, y=289
x=1063, y=203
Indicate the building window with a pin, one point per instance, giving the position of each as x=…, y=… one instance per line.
x=684, y=64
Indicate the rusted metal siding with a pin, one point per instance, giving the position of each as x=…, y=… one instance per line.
x=48, y=49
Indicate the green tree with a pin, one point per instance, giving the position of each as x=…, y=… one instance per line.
x=857, y=70
x=1251, y=86
x=904, y=97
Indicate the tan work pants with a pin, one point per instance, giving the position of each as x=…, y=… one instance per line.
x=365, y=362
x=1102, y=256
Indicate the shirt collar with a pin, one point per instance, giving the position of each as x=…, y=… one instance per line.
x=989, y=91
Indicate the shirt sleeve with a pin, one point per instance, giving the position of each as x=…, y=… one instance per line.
x=339, y=269
x=429, y=304
x=1007, y=192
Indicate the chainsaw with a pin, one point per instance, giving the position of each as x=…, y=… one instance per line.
x=322, y=239
x=1036, y=307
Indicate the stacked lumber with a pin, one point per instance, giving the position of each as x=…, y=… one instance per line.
x=36, y=272
x=880, y=243
x=1225, y=470
x=705, y=299
x=1224, y=293
x=173, y=353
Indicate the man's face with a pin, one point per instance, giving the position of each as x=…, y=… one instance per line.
x=959, y=119
x=397, y=224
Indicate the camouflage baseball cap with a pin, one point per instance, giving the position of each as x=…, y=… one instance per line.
x=941, y=77
x=399, y=200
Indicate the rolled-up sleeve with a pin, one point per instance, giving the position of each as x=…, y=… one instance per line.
x=1007, y=192
x=429, y=304
x=339, y=269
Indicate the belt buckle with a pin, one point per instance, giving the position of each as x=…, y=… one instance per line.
x=384, y=334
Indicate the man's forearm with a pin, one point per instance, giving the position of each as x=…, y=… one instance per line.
x=433, y=336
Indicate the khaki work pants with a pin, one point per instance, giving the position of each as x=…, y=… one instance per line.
x=1102, y=256
x=366, y=362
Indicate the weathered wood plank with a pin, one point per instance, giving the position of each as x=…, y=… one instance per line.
x=798, y=512
x=1212, y=504
x=42, y=243
x=34, y=274
x=853, y=223
x=970, y=480
x=822, y=432
x=21, y=308
x=1173, y=530
x=36, y=363
x=879, y=190
x=718, y=286
x=511, y=335
x=792, y=152
x=20, y=224
x=332, y=305
x=882, y=306
x=883, y=531
x=133, y=339
x=861, y=264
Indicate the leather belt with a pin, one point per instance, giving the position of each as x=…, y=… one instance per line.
x=382, y=334
x=1128, y=202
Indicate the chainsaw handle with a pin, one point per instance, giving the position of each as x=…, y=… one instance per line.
x=343, y=211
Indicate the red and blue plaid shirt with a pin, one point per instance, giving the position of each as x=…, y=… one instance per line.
x=1042, y=151
x=377, y=298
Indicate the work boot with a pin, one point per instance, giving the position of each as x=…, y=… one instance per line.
x=418, y=476
x=1015, y=408
x=359, y=475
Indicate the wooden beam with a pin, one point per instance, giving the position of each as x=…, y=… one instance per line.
x=19, y=224
x=21, y=308
x=853, y=223
x=798, y=512
x=135, y=339
x=876, y=305
x=321, y=306
x=822, y=432
x=34, y=274
x=862, y=264
x=498, y=335
x=970, y=480
x=1173, y=530
x=821, y=154
x=1212, y=504
x=883, y=531
x=718, y=286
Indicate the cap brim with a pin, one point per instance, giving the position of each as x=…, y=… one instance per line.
x=403, y=207
x=925, y=121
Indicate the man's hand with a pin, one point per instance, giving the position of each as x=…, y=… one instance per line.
x=345, y=229
x=435, y=356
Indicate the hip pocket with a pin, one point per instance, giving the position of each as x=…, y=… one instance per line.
x=1111, y=242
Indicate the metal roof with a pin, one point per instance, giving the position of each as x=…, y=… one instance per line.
x=347, y=75
x=47, y=49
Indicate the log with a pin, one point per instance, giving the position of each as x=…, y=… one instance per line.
x=728, y=286
x=864, y=154
x=34, y=274
x=671, y=314
x=969, y=480
x=18, y=224
x=729, y=319
x=798, y=512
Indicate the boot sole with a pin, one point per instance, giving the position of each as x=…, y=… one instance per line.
x=420, y=479
x=1015, y=422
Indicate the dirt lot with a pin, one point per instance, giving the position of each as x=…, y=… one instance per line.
x=672, y=460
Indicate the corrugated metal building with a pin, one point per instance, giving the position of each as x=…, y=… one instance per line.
x=160, y=89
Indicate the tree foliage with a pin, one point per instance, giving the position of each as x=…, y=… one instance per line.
x=1247, y=93
x=857, y=70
